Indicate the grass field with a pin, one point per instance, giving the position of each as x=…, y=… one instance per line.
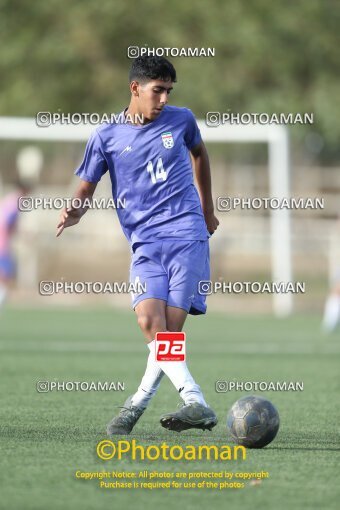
x=46, y=437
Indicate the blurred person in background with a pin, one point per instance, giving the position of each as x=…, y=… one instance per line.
x=9, y=215
x=331, y=317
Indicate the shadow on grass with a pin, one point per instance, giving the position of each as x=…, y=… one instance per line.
x=302, y=448
x=89, y=434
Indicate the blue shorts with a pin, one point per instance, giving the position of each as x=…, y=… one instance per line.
x=170, y=270
x=7, y=266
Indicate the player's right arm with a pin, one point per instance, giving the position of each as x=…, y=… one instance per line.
x=71, y=216
x=92, y=168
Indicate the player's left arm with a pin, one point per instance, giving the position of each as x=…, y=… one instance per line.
x=203, y=176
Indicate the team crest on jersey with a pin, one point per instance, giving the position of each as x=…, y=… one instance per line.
x=168, y=141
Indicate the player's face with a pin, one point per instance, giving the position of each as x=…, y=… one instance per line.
x=153, y=96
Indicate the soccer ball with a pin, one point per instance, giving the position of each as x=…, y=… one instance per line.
x=253, y=422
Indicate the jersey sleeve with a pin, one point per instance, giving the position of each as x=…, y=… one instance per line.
x=192, y=135
x=94, y=164
x=12, y=217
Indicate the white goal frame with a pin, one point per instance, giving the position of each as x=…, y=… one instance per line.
x=276, y=137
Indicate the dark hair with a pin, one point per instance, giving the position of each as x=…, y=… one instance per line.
x=24, y=185
x=152, y=68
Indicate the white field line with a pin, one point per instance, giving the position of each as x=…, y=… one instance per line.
x=244, y=348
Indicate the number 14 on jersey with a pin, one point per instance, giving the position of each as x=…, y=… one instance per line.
x=160, y=174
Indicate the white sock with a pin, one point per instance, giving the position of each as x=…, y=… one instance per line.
x=3, y=294
x=332, y=313
x=179, y=375
x=149, y=383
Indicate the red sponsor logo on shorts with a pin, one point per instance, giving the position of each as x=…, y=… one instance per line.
x=170, y=346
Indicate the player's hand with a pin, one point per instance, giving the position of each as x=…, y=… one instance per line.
x=211, y=222
x=68, y=218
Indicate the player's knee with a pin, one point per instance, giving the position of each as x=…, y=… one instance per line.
x=150, y=325
x=144, y=322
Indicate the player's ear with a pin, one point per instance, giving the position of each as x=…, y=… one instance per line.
x=134, y=88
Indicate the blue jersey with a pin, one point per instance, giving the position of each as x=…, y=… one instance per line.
x=151, y=172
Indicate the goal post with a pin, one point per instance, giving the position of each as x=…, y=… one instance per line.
x=275, y=136
x=277, y=139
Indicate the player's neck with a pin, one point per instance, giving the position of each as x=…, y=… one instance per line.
x=134, y=116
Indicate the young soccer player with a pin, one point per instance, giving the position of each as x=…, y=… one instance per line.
x=166, y=222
